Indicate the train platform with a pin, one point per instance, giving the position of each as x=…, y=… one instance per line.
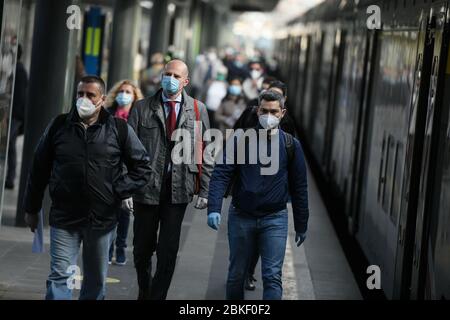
x=317, y=270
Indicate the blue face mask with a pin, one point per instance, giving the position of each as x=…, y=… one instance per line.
x=124, y=99
x=234, y=90
x=170, y=85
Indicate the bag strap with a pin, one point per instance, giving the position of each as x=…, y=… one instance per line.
x=198, y=145
x=290, y=147
x=122, y=129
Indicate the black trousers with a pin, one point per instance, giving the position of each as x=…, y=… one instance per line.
x=148, y=219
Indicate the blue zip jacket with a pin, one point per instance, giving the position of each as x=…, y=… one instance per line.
x=258, y=195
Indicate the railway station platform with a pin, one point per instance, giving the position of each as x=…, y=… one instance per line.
x=318, y=269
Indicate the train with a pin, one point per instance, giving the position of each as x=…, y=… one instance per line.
x=371, y=102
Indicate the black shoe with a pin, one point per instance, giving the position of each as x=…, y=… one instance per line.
x=249, y=285
x=144, y=295
x=121, y=258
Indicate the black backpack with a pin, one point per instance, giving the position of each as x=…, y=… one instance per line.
x=290, y=150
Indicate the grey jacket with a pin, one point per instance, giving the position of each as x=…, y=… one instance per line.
x=148, y=121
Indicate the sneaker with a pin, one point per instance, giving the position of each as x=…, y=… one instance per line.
x=249, y=283
x=121, y=258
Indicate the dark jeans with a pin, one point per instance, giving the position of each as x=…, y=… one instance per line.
x=147, y=220
x=121, y=234
x=245, y=234
x=12, y=154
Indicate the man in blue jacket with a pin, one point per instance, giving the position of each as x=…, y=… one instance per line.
x=258, y=215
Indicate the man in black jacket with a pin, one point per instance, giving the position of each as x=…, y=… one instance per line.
x=80, y=156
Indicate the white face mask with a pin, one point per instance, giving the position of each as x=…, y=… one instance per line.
x=85, y=108
x=255, y=74
x=269, y=121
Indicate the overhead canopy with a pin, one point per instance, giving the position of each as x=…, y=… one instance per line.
x=253, y=5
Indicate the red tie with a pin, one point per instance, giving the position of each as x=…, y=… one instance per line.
x=171, y=121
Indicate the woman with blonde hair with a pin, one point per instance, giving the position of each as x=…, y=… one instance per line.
x=119, y=102
x=121, y=98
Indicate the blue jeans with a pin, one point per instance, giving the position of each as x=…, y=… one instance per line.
x=64, y=248
x=245, y=235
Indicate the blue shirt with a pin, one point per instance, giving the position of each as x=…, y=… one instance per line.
x=259, y=195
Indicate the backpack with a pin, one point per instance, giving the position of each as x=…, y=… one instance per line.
x=122, y=128
x=290, y=150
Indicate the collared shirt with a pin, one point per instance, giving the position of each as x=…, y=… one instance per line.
x=167, y=108
x=167, y=111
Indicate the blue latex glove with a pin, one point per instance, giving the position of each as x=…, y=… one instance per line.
x=214, y=220
x=299, y=238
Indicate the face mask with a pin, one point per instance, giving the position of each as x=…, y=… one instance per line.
x=85, y=108
x=220, y=77
x=234, y=90
x=269, y=121
x=170, y=85
x=255, y=74
x=238, y=64
x=124, y=99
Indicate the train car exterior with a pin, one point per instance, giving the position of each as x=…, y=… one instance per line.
x=373, y=106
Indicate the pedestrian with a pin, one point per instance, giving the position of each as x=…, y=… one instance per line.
x=80, y=156
x=151, y=77
x=231, y=107
x=217, y=90
x=252, y=85
x=258, y=216
x=119, y=102
x=163, y=203
x=17, y=119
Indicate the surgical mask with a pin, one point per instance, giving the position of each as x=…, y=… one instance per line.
x=238, y=64
x=170, y=85
x=269, y=121
x=234, y=90
x=85, y=108
x=255, y=74
x=124, y=99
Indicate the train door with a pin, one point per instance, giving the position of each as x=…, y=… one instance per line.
x=413, y=160
x=303, y=67
x=361, y=136
x=423, y=260
x=347, y=105
x=338, y=55
x=438, y=282
x=311, y=88
x=383, y=170
x=319, y=111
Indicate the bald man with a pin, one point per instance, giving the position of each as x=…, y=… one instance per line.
x=172, y=185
